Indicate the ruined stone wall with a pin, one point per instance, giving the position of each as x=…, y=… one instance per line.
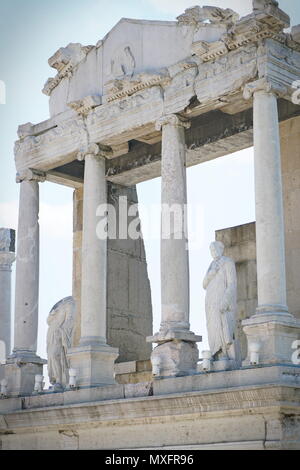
x=129, y=307
x=290, y=157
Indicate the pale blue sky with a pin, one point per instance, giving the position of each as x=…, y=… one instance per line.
x=30, y=32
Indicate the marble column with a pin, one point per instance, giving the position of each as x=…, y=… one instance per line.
x=272, y=325
x=177, y=353
x=23, y=364
x=93, y=359
x=77, y=254
x=7, y=257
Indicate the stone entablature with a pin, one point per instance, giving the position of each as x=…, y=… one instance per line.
x=212, y=77
x=207, y=414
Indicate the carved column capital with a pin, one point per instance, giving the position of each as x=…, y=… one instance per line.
x=6, y=260
x=96, y=150
x=263, y=84
x=173, y=120
x=31, y=175
x=296, y=92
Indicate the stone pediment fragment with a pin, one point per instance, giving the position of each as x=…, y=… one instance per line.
x=64, y=60
x=70, y=55
x=25, y=130
x=209, y=14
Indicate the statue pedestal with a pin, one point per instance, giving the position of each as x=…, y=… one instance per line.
x=273, y=336
x=20, y=372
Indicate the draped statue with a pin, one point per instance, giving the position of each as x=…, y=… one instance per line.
x=220, y=284
x=59, y=340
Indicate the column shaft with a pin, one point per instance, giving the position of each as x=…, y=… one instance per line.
x=93, y=359
x=271, y=332
x=27, y=269
x=174, y=243
x=7, y=257
x=269, y=205
x=177, y=353
x=5, y=302
x=94, y=255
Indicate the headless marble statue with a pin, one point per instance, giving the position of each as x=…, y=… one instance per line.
x=220, y=284
x=59, y=339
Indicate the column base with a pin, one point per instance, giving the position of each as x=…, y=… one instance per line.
x=20, y=371
x=94, y=364
x=271, y=338
x=171, y=335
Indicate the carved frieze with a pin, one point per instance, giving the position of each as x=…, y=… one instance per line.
x=181, y=88
x=216, y=73
x=85, y=105
x=279, y=64
x=51, y=147
x=124, y=87
x=226, y=75
x=125, y=119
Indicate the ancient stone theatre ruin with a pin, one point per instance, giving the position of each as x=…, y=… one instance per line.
x=149, y=100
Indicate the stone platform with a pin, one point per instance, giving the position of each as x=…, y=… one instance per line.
x=254, y=408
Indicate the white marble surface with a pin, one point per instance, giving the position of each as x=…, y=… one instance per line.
x=27, y=269
x=270, y=246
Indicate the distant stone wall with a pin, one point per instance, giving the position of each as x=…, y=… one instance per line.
x=290, y=159
x=129, y=293
x=240, y=245
x=129, y=306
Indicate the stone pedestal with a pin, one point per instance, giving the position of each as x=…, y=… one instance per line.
x=177, y=350
x=93, y=359
x=20, y=372
x=273, y=328
x=7, y=257
x=274, y=336
x=94, y=364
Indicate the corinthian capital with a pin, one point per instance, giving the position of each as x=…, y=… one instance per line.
x=96, y=150
x=172, y=120
x=263, y=84
x=31, y=175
